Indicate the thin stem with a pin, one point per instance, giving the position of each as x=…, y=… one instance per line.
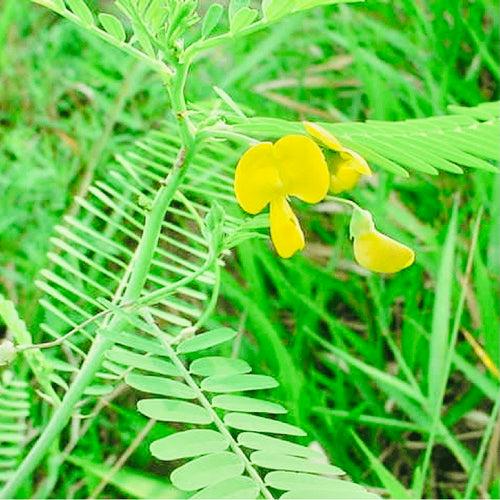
x=206, y=404
x=213, y=299
x=196, y=48
x=123, y=458
x=385, y=332
x=344, y=201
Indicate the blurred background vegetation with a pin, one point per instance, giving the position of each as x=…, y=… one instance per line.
x=68, y=102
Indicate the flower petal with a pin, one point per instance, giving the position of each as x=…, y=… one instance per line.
x=355, y=161
x=257, y=180
x=379, y=253
x=344, y=179
x=302, y=167
x=346, y=167
x=322, y=135
x=286, y=233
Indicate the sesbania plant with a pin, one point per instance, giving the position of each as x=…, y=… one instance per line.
x=296, y=166
x=135, y=277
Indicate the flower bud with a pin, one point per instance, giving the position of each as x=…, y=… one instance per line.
x=7, y=353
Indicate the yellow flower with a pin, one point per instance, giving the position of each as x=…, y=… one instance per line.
x=269, y=173
x=346, y=166
x=376, y=251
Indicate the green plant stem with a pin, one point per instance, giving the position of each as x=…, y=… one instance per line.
x=140, y=267
x=54, y=462
x=213, y=299
x=343, y=201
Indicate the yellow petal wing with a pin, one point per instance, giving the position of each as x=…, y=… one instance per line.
x=257, y=180
x=355, y=161
x=286, y=234
x=302, y=167
x=344, y=179
x=347, y=167
x=322, y=135
x=379, y=253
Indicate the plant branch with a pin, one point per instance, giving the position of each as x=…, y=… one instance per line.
x=156, y=64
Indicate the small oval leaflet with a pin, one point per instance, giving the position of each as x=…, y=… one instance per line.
x=218, y=365
x=278, y=461
x=113, y=26
x=242, y=19
x=142, y=362
x=98, y=390
x=235, y=6
x=274, y=9
x=187, y=444
x=211, y=19
x=327, y=494
x=207, y=471
x=206, y=340
x=81, y=10
x=240, y=487
x=246, y=404
x=237, y=383
x=136, y=342
x=159, y=385
x=282, y=480
x=113, y=370
x=246, y=422
x=256, y=441
x=171, y=410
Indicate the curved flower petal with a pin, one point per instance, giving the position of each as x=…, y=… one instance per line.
x=257, y=180
x=322, y=135
x=379, y=253
x=347, y=168
x=355, y=161
x=344, y=179
x=302, y=167
x=286, y=233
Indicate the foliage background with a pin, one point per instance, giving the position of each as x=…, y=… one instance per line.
x=69, y=102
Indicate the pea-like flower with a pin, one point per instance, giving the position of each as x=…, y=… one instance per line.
x=376, y=251
x=268, y=174
x=346, y=166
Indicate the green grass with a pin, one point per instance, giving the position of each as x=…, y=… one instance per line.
x=377, y=370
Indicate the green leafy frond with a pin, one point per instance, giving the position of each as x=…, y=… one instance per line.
x=467, y=138
x=14, y=411
x=240, y=448
x=91, y=250
x=91, y=253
